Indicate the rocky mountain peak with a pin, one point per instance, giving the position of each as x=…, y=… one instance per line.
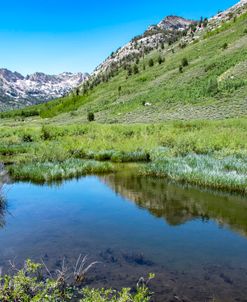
x=174, y=23
x=169, y=28
x=9, y=75
x=35, y=88
x=39, y=77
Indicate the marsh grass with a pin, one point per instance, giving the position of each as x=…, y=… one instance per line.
x=51, y=171
x=167, y=146
x=228, y=174
x=118, y=156
x=13, y=149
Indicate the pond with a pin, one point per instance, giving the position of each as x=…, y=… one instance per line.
x=194, y=241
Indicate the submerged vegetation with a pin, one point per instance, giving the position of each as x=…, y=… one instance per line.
x=30, y=284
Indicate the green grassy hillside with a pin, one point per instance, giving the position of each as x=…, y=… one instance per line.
x=212, y=86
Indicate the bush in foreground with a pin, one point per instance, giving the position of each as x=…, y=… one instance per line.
x=30, y=285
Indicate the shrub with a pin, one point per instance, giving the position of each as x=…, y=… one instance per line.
x=90, y=116
x=205, y=22
x=45, y=133
x=160, y=60
x=181, y=69
x=32, y=284
x=27, y=138
x=224, y=46
x=135, y=69
x=184, y=62
x=129, y=71
x=151, y=63
x=212, y=87
x=119, y=90
x=182, y=45
x=210, y=67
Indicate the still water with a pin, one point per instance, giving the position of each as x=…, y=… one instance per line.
x=194, y=241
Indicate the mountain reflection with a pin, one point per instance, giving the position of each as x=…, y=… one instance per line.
x=2, y=207
x=176, y=204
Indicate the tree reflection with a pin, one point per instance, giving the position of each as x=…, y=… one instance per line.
x=2, y=206
x=176, y=204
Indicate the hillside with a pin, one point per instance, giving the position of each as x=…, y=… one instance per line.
x=18, y=91
x=200, y=74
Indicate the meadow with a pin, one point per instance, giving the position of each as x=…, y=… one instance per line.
x=205, y=153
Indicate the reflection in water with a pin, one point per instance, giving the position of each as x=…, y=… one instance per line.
x=178, y=205
x=193, y=260
x=2, y=206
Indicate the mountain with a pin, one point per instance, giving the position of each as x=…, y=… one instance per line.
x=169, y=30
x=178, y=69
x=166, y=31
x=17, y=91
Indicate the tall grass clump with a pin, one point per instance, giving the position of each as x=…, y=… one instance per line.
x=51, y=171
x=227, y=174
x=135, y=156
x=119, y=156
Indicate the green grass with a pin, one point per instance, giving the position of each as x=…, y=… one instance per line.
x=59, y=149
x=51, y=171
x=132, y=142
x=226, y=174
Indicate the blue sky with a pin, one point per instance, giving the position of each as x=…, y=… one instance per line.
x=53, y=36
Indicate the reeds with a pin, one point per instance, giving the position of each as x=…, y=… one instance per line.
x=55, y=171
x=228, y=174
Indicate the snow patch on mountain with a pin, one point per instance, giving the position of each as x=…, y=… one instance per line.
x=17, y=90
